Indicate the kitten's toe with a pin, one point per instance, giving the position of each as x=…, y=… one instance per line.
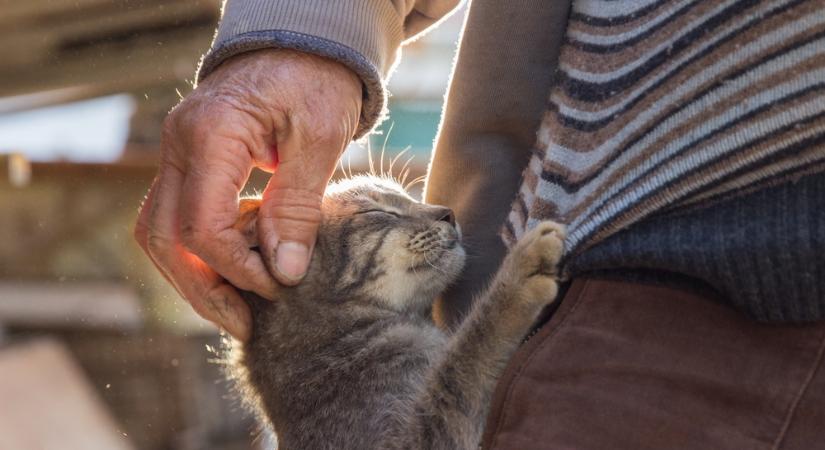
x=541, y=249
x=551, y=245
x=550, y=227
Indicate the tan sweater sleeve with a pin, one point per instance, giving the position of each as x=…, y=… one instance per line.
x=365, y=35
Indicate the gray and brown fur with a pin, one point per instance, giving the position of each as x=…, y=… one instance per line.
x=350, y=358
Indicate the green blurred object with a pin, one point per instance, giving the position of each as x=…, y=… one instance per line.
x=411, y=123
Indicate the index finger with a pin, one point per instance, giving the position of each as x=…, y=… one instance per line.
x=204, y=289
x=209, y=210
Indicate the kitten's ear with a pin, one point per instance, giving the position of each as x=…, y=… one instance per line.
x=248, y=220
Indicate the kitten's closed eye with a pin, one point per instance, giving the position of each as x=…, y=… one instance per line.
x=380, y=211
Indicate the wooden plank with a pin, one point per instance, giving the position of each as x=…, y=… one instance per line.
x=103, y=45
x=43, y=42
x=15, y=12
x=22, y=14
x=70, y=305
x=109, y=68
x=44, y=98
x=47, y=404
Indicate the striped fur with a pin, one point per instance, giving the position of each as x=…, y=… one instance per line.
x=351, y=359
x=662, y=104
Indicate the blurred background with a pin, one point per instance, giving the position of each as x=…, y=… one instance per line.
x=96, y=350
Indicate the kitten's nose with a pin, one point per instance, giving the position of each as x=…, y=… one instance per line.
x=444, y=214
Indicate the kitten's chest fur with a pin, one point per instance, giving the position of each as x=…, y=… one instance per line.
x=331, y=376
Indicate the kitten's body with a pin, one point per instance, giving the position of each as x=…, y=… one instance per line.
x=350, y=358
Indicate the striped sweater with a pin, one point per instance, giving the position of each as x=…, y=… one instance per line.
x=660, y=105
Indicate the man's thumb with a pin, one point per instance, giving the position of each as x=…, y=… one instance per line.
x=287, y=227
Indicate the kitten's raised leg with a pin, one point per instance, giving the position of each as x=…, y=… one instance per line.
x=452, y=412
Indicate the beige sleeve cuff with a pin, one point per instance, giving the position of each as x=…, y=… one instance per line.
x=364, y=35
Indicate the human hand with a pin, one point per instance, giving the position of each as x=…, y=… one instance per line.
x=285, y=112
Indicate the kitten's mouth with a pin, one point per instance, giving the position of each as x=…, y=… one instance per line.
x=432, y=249
x=434, y=259
x=449, y=243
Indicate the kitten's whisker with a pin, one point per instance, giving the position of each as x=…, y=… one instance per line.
x=416, y=180
x=437, y=269
x=405, y=170
x=259, y=436
x=409, y=160
x=369, y=158
x=381, y=163
x=404, y=175
x=395, y=159
x=384, y=148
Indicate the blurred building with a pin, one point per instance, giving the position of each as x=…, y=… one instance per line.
x=84, y=87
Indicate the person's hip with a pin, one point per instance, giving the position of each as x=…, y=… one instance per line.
x=627, y=365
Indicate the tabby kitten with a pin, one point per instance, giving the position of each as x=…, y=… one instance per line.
x=350, y=358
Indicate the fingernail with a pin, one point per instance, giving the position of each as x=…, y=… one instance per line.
x=291, y=260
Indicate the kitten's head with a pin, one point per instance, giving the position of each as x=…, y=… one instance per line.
x=377, y=242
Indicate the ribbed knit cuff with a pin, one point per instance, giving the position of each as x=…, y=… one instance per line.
x=364, y=35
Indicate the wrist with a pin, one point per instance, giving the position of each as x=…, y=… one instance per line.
x=373, y=97
x=278, y=85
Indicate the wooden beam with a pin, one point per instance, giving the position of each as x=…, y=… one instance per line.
x=47, y=43
x=44, y=98
x=115, y=67
x=21, y=14
x=101, y=45
x=15, y=12
x=70, y=305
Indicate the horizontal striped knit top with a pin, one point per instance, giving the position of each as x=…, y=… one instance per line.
x=665, y=105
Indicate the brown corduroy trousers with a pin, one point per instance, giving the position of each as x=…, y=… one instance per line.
x=625, y=365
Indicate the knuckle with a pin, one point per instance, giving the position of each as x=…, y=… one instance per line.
x=322, y=134
x=324, y=130
x=237, y=254
x=157, y=245
x=194, y=237
x=297, y=210
x=190, y=117
x=281, y=118
x=289, y=198
x=170, y=122
x=202, y=124
x=170, y=135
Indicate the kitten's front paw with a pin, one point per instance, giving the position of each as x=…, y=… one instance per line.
x=540, y=250
x=536, y=258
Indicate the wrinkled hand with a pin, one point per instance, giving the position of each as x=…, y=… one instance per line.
x=285, y=112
